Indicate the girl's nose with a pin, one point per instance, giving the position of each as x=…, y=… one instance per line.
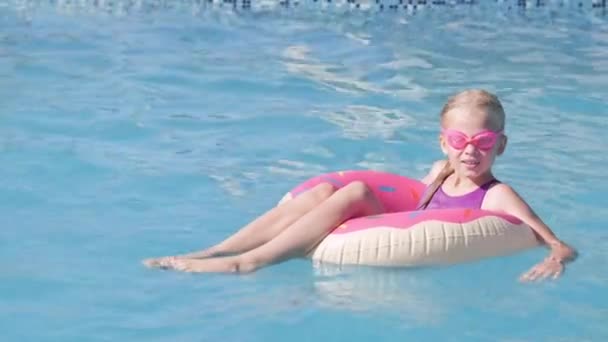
x=470, y=149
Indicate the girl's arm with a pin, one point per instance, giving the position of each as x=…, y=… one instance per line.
x=503, y=198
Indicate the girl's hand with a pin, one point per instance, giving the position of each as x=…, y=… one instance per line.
x=552, y=266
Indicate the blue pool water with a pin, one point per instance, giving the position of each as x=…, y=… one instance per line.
x=145, y=128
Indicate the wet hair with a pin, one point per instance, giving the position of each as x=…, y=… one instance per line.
x=475, y=99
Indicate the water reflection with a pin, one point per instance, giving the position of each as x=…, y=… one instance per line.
x=394, y=291
x=299, y=61
x=360, y=122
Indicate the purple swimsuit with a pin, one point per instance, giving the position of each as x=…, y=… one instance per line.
x=472, y=200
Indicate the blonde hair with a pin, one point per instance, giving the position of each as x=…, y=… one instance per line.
x=476, y=99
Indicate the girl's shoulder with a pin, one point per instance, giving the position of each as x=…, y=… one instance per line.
x=498, y=188
x=501, y=196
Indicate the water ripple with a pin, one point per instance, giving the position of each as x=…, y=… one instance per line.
x=139, y=127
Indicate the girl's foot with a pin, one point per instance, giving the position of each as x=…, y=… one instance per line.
x=164, y=262
x=206, y=253
x=215, y=265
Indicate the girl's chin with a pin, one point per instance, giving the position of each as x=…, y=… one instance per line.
x=471, y=172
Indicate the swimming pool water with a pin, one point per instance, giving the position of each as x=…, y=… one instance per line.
x=131, y=131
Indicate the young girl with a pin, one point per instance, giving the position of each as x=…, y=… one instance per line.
x=472, y=135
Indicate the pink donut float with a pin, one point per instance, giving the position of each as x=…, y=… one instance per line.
x=405, y=236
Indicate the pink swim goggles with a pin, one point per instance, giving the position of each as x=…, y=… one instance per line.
x=484, y=140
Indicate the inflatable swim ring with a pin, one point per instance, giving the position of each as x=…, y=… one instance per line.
x=405, y=236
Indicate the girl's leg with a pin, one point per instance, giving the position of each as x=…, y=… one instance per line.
x=297, y=240
x=262, y=229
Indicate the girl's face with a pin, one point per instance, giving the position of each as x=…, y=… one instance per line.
x=470, y=142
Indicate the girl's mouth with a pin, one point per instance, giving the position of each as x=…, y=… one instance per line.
x=470, y=163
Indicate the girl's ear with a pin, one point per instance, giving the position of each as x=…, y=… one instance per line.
x=443, y=144
x=503, y=144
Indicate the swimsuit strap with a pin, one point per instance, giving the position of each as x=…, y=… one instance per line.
x=473, y=199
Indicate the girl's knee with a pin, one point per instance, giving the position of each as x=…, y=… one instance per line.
x=323, y=191
x=362, y=199
x=359, y=190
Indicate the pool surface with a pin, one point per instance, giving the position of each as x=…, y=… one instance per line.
x=132, y=129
